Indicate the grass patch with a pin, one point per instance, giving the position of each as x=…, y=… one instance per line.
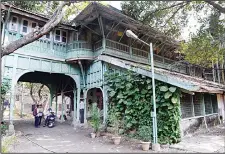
x=7, y=141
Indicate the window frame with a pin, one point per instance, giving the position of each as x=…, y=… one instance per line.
x=61, y=36
x=31, y=22
x=17, y=24
x=28, y=26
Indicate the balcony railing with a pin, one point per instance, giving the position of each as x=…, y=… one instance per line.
x=85, y=50
x=79, y=50
x=40, y=47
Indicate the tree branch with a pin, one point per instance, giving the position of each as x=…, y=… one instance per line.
x=169, y=7
x=39, y=92
x=217, y=6
x=37, y=32
x=31, y=93
x=174, y=13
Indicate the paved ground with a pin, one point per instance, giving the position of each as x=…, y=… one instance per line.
x=63, y=138
x=205, y=141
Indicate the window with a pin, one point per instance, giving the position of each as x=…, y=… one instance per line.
x=17, y=97
x=33, y=25
x=61, y=36
x=64, y=36
x=57, y=35
x=47, y=36
x=13, y=24
x=25, y=26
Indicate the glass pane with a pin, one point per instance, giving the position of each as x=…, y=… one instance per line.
x=25, y=23
x=64, y=39
x=14, y=20
x=64, y=34
x=34, y=25
x=24, y=29
x=57, y=37
x=57, y=32
x=47, y=36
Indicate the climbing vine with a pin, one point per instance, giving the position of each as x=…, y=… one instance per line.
x=130, y=94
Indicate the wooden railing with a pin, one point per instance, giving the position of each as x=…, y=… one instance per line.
x=124, y=51
x=117, y=46
x=98, y=45
x=79, y=49
x=82, y=49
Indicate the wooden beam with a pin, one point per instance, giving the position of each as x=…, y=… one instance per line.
x=101, y=26
x=112, y=28
x=145, y=41
x=123, y=34
x=91, y=30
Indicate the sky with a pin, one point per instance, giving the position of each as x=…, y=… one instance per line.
x=192, y=26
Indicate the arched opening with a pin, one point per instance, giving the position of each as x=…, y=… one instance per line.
x=94, y=95
x=61, y=91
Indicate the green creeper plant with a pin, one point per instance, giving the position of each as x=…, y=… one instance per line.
x=130, y=96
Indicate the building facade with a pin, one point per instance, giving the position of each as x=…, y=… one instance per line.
x=72, y=59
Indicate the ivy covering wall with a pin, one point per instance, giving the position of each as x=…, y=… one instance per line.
x=131, y=96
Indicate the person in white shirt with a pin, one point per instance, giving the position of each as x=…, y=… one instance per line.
x=81, y=111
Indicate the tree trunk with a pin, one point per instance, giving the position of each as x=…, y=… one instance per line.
x=37, y=32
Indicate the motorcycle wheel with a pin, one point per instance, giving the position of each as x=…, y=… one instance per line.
x=50, y=125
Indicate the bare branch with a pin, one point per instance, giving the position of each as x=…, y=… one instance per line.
x=169, y=7
x=215, y=5
x=37, y=32
x=174, y=13
x=39, y=92
x=31, y=93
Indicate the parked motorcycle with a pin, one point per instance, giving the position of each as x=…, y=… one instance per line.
x=51, y=120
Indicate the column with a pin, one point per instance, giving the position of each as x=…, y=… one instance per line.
x=12, y=99
x=74, y=106
x=51, y=98
x=78, y=105
x=105, y=105
x=56, y=103
x=62, y=107
x=85, y=106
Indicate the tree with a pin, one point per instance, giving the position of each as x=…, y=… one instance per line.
x=170, y=16
x=5, y=86
x=38, y=92
x=37, y=33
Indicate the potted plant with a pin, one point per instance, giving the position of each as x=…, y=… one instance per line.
x=95, y=120
x=114, y=121
x=144, y=134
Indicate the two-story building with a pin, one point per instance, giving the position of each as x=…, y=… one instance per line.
x=71, y=60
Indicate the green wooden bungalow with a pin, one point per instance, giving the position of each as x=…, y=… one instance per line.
x=72, y=59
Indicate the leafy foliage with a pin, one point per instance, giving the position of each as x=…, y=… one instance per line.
x=114, y=120
x=95, y=117
x=131, y=98
x=145, y=133
x=4, y=88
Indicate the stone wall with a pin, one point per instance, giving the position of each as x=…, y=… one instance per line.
x=190, y=125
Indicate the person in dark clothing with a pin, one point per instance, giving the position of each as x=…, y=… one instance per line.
x=82, y=111
x=40, y=113
x=36, y=118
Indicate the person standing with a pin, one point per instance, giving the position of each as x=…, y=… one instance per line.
x=36, y=118
x=81, y=111
x=40, y=113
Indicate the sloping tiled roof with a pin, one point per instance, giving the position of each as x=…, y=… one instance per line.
x=94, y=9
x=189, y=83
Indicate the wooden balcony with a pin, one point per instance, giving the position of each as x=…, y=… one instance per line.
x=40, y=48
x=84, y=50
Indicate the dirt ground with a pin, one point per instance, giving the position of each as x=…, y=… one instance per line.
x=65, y=139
